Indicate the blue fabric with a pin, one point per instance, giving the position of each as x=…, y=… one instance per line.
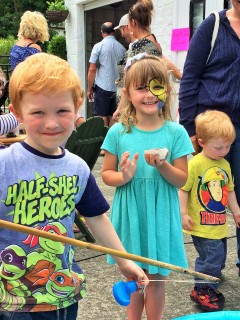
x=69, y=313
x=107, y=53
x=145, y=212
x=214, y=85
x=19, y=54
x=104, y=102
x=233, y=158
x=211, y=259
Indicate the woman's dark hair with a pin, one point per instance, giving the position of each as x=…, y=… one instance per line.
x=142, y=13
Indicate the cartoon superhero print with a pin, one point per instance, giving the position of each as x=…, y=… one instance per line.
x=39, y=274
x=213, y=194
x=49, y=249
x=61, y=287
x=13, y=265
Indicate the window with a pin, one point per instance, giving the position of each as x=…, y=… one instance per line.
x=197, y=14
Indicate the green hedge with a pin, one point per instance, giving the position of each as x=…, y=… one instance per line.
x=57, y=46
x=5, y=47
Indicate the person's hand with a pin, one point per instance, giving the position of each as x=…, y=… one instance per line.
x=128, y=167
x=187, y=222
x=132, y=271
x=236, y=218
x=154, y=159
x=116, y=114
x=90, y=94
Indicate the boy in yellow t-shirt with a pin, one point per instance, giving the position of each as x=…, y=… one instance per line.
x=203, y=200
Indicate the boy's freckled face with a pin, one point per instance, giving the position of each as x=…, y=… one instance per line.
x=48, y=120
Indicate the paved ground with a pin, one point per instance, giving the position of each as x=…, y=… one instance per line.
x=100, y=303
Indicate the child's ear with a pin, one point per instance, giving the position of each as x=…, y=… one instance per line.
x=79, y=103
x=17, y=115
x=200, y=142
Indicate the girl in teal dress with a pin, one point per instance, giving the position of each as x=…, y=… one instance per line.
x=145, y=210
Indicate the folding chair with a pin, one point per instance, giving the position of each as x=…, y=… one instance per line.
x=85, y=141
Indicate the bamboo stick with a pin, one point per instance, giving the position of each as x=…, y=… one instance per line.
x=113, y=252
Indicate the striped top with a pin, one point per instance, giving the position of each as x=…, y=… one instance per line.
x=8, y=122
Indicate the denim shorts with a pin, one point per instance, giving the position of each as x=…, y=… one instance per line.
x=212, y=257
x=104, y=102
x=69, y=313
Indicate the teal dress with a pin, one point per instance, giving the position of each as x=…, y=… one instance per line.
x=145, y=212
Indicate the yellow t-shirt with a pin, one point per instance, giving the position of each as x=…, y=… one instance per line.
x=208, y=184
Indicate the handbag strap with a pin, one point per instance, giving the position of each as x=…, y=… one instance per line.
x=215, y=33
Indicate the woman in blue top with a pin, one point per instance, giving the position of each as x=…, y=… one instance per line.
x=145, y=210
x=33, y=28
x=214, y=84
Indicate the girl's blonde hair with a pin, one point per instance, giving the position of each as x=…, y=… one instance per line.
x=33, y=26
x=43, y=73
x=214, y=124
x=139, y=74
x=141, y=12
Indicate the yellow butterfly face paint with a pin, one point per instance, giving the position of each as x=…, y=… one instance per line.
x=158, y=89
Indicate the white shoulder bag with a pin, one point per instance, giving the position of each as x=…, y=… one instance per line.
x=215, y=33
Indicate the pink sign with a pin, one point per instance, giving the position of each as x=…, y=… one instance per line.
x=180, y=39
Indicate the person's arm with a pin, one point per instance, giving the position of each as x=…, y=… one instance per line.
x=187, y=222
x=175, y=174
x=173, y=68
x=193, y=71
x=234, y=207
x=91, y=77
x=8, y=122
x=104, y=232
x=79, y=120
x=117, y=112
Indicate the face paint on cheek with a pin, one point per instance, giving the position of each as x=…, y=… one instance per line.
x=160, y=104
x=159, y=89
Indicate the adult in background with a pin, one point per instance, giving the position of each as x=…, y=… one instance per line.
x=124, y=29
x=139, y=24
x=33, y=28
x=214, y=83
x=103, y=70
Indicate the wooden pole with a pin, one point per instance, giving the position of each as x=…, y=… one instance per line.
x=117, y=253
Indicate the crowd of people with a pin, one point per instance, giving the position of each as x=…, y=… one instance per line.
x=159, y=194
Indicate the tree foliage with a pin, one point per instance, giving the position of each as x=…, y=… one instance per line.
x=11, y=12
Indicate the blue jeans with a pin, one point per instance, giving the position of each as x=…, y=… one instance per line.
x=69, y=313
x=211, y=259
x=233, y=158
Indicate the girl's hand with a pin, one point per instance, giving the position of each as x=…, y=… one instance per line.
x=128, y=167
x=132, y=271
x=237, y=219
x=154, y=159
x=187, y=222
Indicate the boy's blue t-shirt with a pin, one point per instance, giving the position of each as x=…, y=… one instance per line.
x=42, y=192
